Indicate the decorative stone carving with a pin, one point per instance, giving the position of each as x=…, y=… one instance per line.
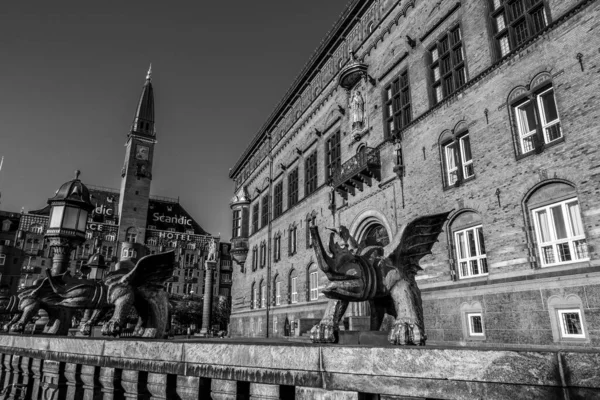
x=384, y=276
x=357, y=105
x=212, y=250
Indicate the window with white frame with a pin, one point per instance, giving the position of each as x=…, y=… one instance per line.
x=559, y=233
x=263, y=295
x=570, y=322
x=254, y=296
x=152, y=242
x=275, y=324
x=292, y=244
x=314, y=286
x=111, y=237
x=458, y=159
x=2, y=259
x=537, y=120
x=278, y=293
x=470, y=252
x=294, y=290
x=37, y=229
x=475, y=321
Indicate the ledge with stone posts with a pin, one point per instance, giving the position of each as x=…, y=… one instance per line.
x=64, y=368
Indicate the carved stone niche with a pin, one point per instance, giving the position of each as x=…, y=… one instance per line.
x=352, y=73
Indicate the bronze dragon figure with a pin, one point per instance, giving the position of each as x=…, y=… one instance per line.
x=384, y=276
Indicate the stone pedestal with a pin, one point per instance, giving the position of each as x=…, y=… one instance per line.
x=209, y=267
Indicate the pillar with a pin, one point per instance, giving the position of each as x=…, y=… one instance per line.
x=157, y=385
x=134, y=384
x=209, y=267
x=228, y=390
x=91, y=383
x=189, y=387
x=36, y=368
x=74, y=383
x=110, y=383
x=61, y=253
x=261, y=391
x=54, y=385
x=26, y=377
x=5, y=373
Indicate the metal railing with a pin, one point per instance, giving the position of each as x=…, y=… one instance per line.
x=369, y=157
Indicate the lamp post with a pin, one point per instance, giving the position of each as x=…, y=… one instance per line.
x=68, y=220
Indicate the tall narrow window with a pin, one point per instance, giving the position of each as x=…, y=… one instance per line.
x=332, y=154
x=292, y=241
x=255, y=218
x=314, y=286
x=293, y=188
x=265, y=211
x=560, y=235
x=294, y=290
x=311, y=220
x=470, y=252
x=537, y=120
x=397, y=110
x=570, y=323
x=310, y=174
x=277, y=247
x=458, y=159
x=278, y=200
x=263, y=254
x=254, y=258
x=447, y=65
x=237, y=224
x=263, y=295
x=515, y=21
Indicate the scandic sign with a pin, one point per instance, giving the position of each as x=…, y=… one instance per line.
x=180, y=220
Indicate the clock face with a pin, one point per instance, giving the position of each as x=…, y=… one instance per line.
x=141, y=153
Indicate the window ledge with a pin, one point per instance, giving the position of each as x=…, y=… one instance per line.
x=544, y=147
x=460, y=183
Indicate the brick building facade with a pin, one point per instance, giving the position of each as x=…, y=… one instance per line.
x=485, y=108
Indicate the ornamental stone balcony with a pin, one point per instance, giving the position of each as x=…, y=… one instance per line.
x=357, y=172
x=239, y=250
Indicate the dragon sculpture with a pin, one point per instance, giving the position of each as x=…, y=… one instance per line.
x=141, y=287
x=384, y=276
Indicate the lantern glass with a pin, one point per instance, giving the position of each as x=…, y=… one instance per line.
x=56, y=218
x=70, y=219
x=83, y=215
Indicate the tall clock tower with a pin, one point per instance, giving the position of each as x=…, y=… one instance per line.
x=136, y=175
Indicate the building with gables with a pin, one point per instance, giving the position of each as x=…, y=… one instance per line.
x=487, y=109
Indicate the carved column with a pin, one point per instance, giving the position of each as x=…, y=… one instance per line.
x=189, y=387
x=209, y=267
x=61, y=253
x=26, y=377
x=16, y=379
x=54, y=385
x=9, y=372
x=91, y=383
x=134, y=384
x=36, y=368
x=110, y=383
x=260, y=391
x=157, y=385
x=74, y=383
x=224, y=390
x=5, y=373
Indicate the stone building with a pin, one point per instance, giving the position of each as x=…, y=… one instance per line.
x=484, y=108
x=126, y=223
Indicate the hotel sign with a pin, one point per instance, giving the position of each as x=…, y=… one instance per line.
x=175, y=219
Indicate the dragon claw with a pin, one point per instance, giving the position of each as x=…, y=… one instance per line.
x=111, y=328
x=405, y=332
x=324, y=333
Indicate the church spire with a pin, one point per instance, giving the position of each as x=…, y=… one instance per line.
x=143, y=122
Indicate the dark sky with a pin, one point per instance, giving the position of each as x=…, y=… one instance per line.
x=71, y=73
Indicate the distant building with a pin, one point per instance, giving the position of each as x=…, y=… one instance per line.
x=126, y=224
x=488, y=109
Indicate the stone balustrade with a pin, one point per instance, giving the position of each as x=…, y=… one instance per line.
x=42, y=367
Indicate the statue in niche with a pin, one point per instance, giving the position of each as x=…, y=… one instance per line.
x=382, y=274
x=212, y=250
x=357, y=105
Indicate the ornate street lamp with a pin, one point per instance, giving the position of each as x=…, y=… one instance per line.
x=69, y=210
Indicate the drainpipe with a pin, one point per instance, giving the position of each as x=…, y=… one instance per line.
x=269, y=234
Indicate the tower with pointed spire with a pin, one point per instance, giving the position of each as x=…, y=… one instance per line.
x=136, y=175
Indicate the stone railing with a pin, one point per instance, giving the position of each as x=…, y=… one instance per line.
x=38, y=367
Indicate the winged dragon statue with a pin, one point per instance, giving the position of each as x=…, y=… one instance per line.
x=382, y=275
x=141, y=287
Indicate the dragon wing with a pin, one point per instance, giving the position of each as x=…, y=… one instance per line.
x=415, y=240
x=154, y=269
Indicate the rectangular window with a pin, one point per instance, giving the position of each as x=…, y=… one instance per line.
x=254, y=258
x=292, y=241
x=314, y=286
x=274, y=324
x=458, y=160
x=263, y=255
x=470, y=252
x=397, y=109
x=293, y=188
x=559, y=233
x=475, y=324
x=265, y=211
x=278, y=200
x=263, y=296
x=515, y=21
x=310, y=174
x=294, y=290
x=570, y=323
x=332, y=154
x=237, y=223
x=2, y=259
x=278, y=293
x=277, y=248
x=447, y=65
x=255, y=218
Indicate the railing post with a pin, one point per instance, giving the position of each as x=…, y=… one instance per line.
x=26, y=378
x=158, y=385
x=36, y=368
x=91, y=383
x=189, y=387
x=74, y=383
x=110, y=382
x=54, y=385
x=7, y=372
x=228, y=390
x=261, y=391
x=134, y=384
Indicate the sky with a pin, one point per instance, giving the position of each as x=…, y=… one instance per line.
x=71, y=73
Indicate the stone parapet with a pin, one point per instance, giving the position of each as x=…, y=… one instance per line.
x=272, y=370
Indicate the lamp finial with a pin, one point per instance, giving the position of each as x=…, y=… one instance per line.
x=77, y=173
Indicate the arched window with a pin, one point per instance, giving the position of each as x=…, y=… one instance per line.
x=263, y=254
x=89, y=235
x=37, y=229
x=376, y=235
x=457, y=159
x=253, y=295
x=535, y=118
x=312, y=292
x=370, y=27
x=254, y=258
x=293, y=287
x=277, y=281
x=292, y=239
x=468, y=245
x=152, y=242
x=556, y=224
x=191, y=246
x=277, y=247
x=263, y=294
x=173, y=244
x=131, y=235
x=111, y=237
x=311, y=220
